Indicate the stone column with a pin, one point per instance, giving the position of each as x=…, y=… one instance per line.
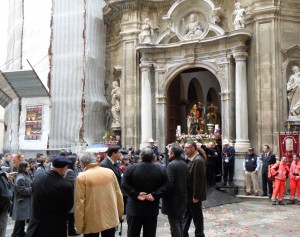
x=241, y=107
x=146, y=106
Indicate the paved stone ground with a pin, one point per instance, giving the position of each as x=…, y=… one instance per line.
x=250, y=218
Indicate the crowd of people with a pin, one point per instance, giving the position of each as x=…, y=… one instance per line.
x=72, y=194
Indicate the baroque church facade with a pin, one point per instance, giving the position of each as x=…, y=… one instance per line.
x=241, y=67
x=163, y=56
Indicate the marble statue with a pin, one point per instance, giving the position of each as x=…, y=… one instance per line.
x=192, y=29
x=146, y=32
x=239, y=14
x=293, y=92
x=115, y=104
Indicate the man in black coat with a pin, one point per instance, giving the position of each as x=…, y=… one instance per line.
x=268, y=158
x=52, y=199
x=5, y=201
x=196, y=190
x=144, y=183
x=174, y=203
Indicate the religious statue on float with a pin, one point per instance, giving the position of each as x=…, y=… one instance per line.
x=195, y=122
x=211, y=117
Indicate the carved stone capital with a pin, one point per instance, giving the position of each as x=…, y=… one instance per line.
x=145, y=67
x=240, y=56
x=225, y=95
x=161, y=99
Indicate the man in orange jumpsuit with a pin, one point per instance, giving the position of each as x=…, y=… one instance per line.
x=295, y=179
x=280, y=171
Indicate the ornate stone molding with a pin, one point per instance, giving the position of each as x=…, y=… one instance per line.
x=194, y=19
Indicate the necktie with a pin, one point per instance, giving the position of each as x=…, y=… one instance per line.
x=117, y=168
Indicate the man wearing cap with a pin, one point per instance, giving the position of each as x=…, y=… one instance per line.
x=228, y=157
x=52, y=199
x=111, y=161
x=98, y=199
x=251, y=166
x=153, y=147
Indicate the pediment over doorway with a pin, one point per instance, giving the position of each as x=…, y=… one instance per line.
x=189, y=20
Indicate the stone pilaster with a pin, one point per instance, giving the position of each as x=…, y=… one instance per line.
x=241, y=107
x=160, y=107
x=225, y=102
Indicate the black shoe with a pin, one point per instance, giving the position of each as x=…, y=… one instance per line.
x=291, y=202
x=224, y=184
x=73, y=233
x=264, y=195
x=280, y=203
x=231, y=184
x=273, y=203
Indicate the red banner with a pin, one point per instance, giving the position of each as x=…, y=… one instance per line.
x=288, y=145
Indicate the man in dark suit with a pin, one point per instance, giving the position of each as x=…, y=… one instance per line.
x=268, y=158
x=174, y=203
x=196, y=190
x=52, y=199
x=111, y=161
x=144, y=183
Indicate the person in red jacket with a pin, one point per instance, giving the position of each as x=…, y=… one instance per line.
x=295, y=179
x=280, y=171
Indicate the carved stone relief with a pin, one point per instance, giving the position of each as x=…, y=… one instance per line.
x=193, y=26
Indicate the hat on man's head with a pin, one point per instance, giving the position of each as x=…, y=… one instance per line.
x=60, y=161
x=151, y=140
x=251, y=149
x=225, y=142
x=123, y=151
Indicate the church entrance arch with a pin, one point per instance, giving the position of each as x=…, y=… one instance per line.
x=192, y=94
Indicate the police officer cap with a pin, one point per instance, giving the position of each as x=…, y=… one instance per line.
x=123, y=151
x=251, y=149
x=61, y=161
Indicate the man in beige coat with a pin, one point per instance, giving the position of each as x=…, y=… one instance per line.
x=98, y=200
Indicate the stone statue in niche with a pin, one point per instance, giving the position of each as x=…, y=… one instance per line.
x=239, y=14
x=146, y=32
x=193, y=28
x=115, y=104
x=293, y=92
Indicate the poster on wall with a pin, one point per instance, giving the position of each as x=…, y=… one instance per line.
x=33, y=125
x=288, y=145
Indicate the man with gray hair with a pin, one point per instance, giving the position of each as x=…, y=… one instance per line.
x=98, y=199
x=144, y=183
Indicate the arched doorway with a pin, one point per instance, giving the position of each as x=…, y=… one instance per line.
x=191, y=87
